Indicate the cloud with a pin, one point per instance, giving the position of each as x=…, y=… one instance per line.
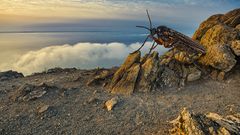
x=81, y=55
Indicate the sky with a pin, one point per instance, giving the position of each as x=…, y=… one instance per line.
x=36, y=35
x=42, y=14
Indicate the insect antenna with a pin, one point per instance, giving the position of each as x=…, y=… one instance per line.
x=150, y=21
x=143, y=27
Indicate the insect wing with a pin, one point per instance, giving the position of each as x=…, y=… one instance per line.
x=188, y=42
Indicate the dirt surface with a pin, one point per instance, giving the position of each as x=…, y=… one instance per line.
x=72, y=107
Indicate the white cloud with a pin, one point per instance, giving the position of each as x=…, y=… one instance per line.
x=81, y=55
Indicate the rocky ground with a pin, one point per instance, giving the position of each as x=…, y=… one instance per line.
x=143, y=96
x=69, y=106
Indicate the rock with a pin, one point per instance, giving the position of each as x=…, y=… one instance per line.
x=148, y=74
x=124, y=79
x=151, y=74
x=218, y=34
x=189, y=123
x=230, y=19
x=93, y=100
x=169, y=78
x=180, y=56
x=128, y=81
x=219, y=55
x=111, y=103
x=100, y=78
x=236, y=47
x=207, y=24
x=238, y=27
x=59, y=70
x=193, y=74
x=130, y=60
x=29, y=92
x=42, y=109
x=221, y=76
x=10, y=75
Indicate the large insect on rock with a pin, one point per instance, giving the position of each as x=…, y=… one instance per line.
x=153, y=72
x=170, y=38
x=187, y=60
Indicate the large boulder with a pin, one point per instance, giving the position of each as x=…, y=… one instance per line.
x=220, y=35
x=189, y=123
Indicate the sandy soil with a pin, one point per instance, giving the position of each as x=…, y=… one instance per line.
x=78, y=109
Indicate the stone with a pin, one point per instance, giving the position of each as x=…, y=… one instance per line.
x=28, y=92
x=42, y=109
x=111, y=103
x=98, y=79
x=216, y=41
x=180, y=56
x=219, y=34
x=219, y=57
x=8, y=75
x=124, y=79
x=93, y=100
x=128, y=81
x=149, y=73
x=34, y=95
x=238, y=27
x=130, y=60
x=169, y=78
x=236, y=47
x=193, y=74
x=189, y=123
x=221, y=76
x=230, y=19
x=214, y=74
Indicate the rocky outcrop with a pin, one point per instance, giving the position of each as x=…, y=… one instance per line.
x=151, y=72
x=189, y=123
x=220, y=35
x=10, y=75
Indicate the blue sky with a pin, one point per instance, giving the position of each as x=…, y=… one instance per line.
x=80, y=14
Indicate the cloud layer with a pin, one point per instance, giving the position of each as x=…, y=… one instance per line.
x=81, y=55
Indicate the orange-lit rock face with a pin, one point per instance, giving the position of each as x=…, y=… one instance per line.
x=220, y=35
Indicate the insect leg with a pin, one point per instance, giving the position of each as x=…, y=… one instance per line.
x=152, y=47
x=143, y=43
x=155, y=46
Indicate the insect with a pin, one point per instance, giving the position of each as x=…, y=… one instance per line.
x=170, y=38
